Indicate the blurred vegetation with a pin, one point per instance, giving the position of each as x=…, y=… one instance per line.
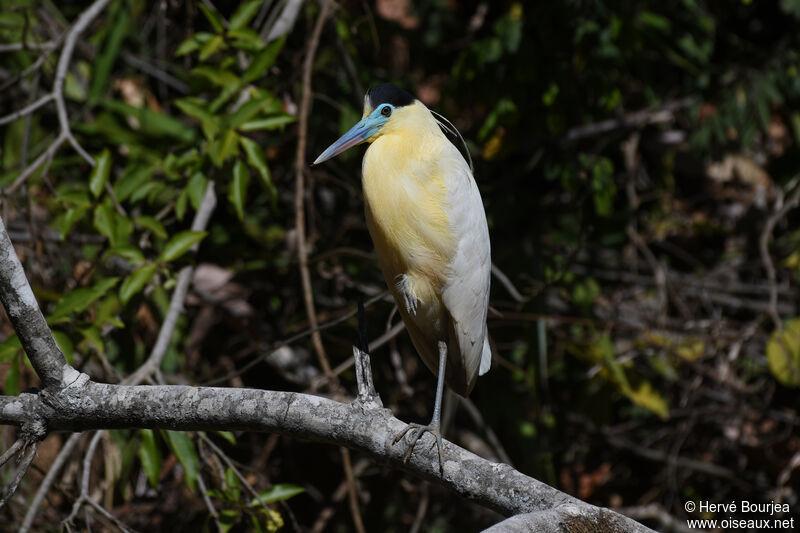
x=634, y=158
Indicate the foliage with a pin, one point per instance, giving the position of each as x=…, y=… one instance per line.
x=629, y=155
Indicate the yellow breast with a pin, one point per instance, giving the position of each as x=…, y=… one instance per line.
x=406, y=212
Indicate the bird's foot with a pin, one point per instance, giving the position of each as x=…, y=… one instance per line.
x=417, y=431
x=409, y=299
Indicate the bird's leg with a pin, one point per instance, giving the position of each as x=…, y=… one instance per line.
x=418, y=430
x=403, y=286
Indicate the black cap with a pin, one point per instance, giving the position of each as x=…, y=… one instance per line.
x=388, y=93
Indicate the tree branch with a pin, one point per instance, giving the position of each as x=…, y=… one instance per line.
x=87, y=405
x=27, y=318
x=57, y=94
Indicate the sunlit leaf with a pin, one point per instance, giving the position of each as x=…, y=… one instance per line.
x=150, y=223
x=269, y=123
x=245, y=13
x=255, y=158
x=181, y=243
x=196, y=189
x=212, y=17
x=264, y=60
x=237, y=194
x=80, y=299
x=276, y=493
x=783, y=354
x=136, y=282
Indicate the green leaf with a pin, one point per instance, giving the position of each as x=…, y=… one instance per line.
x=94, y=338
x=79, y=300
x=104, y=220
x=244, y=14
x=196, y=189
x=227, y=519
x=181, y=203
x=133, y=179
x=184, y=450
x=213, y=17
x=783, y=354
x=108, y=53
x=245, y=112
x=9, y=348
x=136, y=282
x=246, y=39
x=150, y=223
x=265, y=59
x=193, y=43
x=227, y=435
x=217, y=76
x=195, y=108
x=180, y=243
x=153, y=123
x=255, y=158
x=232, y=488
x=276, y=493
x=269, y=123
x=100, y=173
x=237, y=194
x=64, y=344
x=222, y=148
x=12, y=379
x=64, y=224
x=150, y=456
x=211, y=47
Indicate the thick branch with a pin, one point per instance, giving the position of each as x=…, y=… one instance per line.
x=27, y=318
x=87, y=405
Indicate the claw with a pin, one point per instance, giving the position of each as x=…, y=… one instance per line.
x=409, y=300
x=417, y=431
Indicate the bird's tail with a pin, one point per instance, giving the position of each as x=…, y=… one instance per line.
x=486, y=357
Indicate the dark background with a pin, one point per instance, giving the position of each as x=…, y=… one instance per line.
x=633, y=158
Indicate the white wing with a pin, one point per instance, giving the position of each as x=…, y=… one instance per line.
x=466, y=294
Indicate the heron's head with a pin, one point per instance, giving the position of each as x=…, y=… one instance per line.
x=384, y=107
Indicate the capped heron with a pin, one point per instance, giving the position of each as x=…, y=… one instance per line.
x=426, y=219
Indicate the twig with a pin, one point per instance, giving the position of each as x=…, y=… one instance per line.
x=83, y=497
x=491, y=436
x=222, y=455
x=33, y=431
x=352, y=492
x=763, y=244
x=506, y=283
x=636, y=119
x=654, y=511
x=47, y=482
x=9, y=453
x=422, y=509
x=57, y=94
x=28, y=320
x=153, y=362
x=25, y=462
x=299, y=197
x=658, y=271
x=266, y=352
x=15, y=47
x=28, y=109
x=209, y=504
